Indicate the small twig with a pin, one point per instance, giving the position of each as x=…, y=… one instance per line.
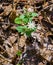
x=2, y=48
x=5, y=58
x=49, y=20
x=45, y=8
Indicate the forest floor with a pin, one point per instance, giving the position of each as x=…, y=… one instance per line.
x=34, y=50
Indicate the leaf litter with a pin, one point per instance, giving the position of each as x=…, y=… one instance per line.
x=19, y=49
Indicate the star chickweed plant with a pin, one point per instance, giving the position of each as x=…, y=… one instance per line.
x=31, y=25
x=25, y=23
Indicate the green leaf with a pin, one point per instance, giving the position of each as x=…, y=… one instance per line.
x=28, y=13
x=22, y=16
x=19, y=53
x=28, y=31
x=34, y=14
x=21, y=29
x=18, y=21
x=25, y=29
x=30, y=19
x=35, y=28
x=18, y=64
x=25, y=20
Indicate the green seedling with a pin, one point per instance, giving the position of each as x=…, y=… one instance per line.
x=18, y=53
x=25, y=19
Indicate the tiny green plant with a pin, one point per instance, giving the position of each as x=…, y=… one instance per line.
x=18, y=64
x=18, y=53
x=25, y=23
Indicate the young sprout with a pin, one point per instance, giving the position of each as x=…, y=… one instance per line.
x=18, y=53
x=26, y=19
